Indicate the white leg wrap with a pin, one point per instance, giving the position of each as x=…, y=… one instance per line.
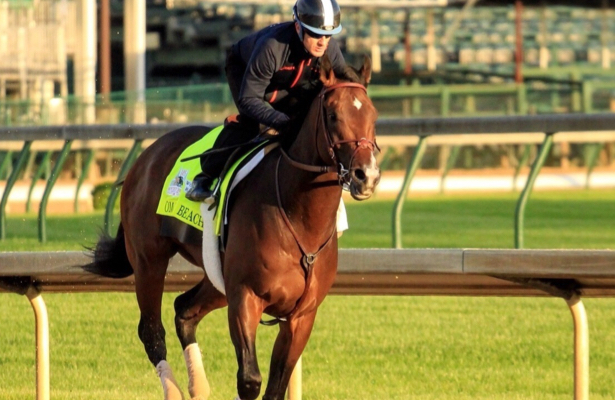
x=197, y=381
x=169, y=384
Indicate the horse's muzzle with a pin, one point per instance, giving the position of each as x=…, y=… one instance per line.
x=363, y=179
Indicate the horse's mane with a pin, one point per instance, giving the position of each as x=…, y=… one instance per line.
x=351, y=74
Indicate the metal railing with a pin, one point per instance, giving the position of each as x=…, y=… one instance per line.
x=568, y=274
x=213, y=102
x=574, y=127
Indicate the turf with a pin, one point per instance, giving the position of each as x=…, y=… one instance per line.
x=570, y=219
x=366, y=347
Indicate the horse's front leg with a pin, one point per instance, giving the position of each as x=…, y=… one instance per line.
x=289, y=345
x=149, y=282
x=190, y=308
x=244, y=313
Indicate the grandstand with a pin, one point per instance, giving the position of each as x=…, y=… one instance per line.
x=483, y=39
x=424, y=42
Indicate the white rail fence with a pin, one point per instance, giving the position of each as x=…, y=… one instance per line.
x=568, y=274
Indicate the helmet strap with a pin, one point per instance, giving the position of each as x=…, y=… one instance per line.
x=296, y=20
x=300, y=33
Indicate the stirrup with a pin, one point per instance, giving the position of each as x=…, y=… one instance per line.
x=200, y=191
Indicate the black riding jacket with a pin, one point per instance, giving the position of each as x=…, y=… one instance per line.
x=278, y=71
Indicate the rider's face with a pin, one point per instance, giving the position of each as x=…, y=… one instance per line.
x=316, y=45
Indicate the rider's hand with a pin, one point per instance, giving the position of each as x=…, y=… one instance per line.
x=267, y=132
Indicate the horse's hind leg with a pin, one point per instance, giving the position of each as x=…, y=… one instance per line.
x=289, y=345
x=190, y=308
x=149, y=281
x=244, y=313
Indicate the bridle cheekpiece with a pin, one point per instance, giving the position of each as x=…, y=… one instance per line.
x=343, y=172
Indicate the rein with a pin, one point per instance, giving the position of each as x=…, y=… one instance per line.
x=307, y=167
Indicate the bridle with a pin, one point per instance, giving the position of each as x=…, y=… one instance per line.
x=343, y=173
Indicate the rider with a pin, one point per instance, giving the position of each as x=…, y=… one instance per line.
x=269, y=72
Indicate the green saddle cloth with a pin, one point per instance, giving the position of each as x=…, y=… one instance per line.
x=173, y=201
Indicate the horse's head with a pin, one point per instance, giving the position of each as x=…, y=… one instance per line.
x=348, y=119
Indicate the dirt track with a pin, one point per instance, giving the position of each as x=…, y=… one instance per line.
x=425, y=181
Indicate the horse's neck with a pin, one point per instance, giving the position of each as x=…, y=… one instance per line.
x=309, y=198
x=310, y=203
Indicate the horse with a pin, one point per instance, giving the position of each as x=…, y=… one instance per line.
x=281, y=253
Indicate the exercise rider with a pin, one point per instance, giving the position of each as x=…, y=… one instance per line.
x=269, y=73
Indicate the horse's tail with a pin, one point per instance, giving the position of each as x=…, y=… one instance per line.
x=110, y=258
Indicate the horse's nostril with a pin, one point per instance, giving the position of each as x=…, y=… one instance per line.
x=359, y=175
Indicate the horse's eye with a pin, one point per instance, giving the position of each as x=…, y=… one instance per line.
x=332, y=117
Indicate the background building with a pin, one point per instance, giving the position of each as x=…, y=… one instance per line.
x=52, y=62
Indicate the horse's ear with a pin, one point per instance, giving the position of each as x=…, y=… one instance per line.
x=365, y=73
x=327, y=75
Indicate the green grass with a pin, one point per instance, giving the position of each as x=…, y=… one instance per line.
x=366, y=347
x=573, y=219
x=64, y=232
x=570, y=219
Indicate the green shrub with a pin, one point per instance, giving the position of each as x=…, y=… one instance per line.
x=100, y=196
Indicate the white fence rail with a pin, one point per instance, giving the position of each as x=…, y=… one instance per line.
x=569, y=274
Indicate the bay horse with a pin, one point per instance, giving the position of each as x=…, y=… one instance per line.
x=281, y=252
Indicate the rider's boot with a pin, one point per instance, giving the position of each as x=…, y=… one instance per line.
x=201, y=189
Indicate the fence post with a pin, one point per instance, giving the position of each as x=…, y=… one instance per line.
x=42, y=343
x=587, y=93
x=37, y=175
x=417, y=157
x=42, y=211
x=21, y=162
x=130, y=159
x=416, y=100
x=520, y=210
x=522, y=99
x=6, y=163
x=555, y=100
x=450, y=163
x=592, y=154
x=445, y=101
x=581, y=348
x=522, y=161
x=470, y=104
x=576, y=105
x=294, y=385
x=84, y=173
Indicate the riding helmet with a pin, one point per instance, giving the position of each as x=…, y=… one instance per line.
x=319, y=16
